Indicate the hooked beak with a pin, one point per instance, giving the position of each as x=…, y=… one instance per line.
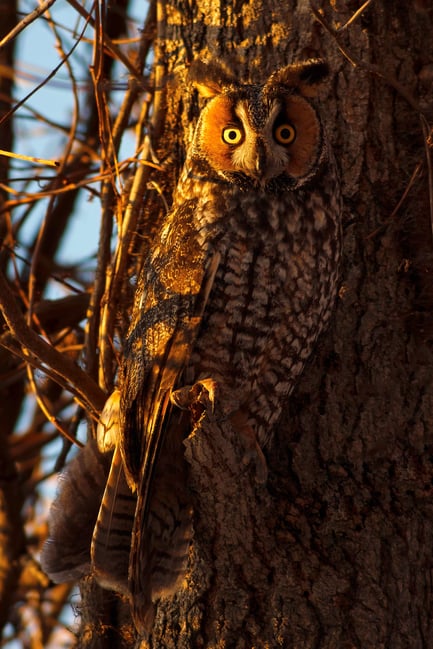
x=256, y=167
x=259, y=163
x=265, y=166
x=260, y=160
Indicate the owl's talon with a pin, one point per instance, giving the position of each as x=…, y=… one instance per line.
x=181, y=397
x=201, y=391
x=206, y=389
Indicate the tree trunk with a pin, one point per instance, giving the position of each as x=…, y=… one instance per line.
x=335, y=550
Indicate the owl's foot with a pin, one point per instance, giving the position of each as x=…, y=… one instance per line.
x=204, y=390
x=253, y=452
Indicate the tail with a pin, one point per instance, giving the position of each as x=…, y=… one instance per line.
x=66, y=553
x=111, y=542
x=162, y=530
x=134, y=543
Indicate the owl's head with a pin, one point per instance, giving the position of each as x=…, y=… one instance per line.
x=260, y=133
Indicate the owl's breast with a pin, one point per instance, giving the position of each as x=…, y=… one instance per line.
x=272, y=295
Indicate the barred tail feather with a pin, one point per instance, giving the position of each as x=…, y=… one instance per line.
x=111, y=542
x=163, y=533
x=66, y=553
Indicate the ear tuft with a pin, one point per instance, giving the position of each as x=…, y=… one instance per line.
x=314, y=71
x=305, y=76
x=210, y=78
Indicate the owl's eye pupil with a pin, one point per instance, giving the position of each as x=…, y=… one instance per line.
x=285, y=134
x=232, y=135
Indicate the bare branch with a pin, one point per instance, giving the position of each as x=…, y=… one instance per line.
x=369, y=67
x=355, y=16
x=25, y=22
x=69, y=371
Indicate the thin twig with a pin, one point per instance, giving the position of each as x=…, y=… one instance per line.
x=46, y=410
x=108, y=192
x=8, y=341
x=26, y=21
x=355, y=16
x=40, y=85
x=108, y=43
x=33, y=198
x=369, y=67
x=28, y=158
x=396, y=209
x=69, y=144
x=110, y=281
x=427, y=132
x=60, y=364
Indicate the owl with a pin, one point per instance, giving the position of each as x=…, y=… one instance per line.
x=239, y=282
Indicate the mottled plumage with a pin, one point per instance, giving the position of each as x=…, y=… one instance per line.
x=239, y=283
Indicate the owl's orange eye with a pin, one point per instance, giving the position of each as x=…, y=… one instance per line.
x=232, y=135
x=285, y=134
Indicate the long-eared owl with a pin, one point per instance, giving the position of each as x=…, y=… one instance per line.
x=239, y=282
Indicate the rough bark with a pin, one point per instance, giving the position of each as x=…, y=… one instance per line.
x=335, y=550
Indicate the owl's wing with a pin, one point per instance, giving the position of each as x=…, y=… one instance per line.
x=167, y=317
x=158, y=349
